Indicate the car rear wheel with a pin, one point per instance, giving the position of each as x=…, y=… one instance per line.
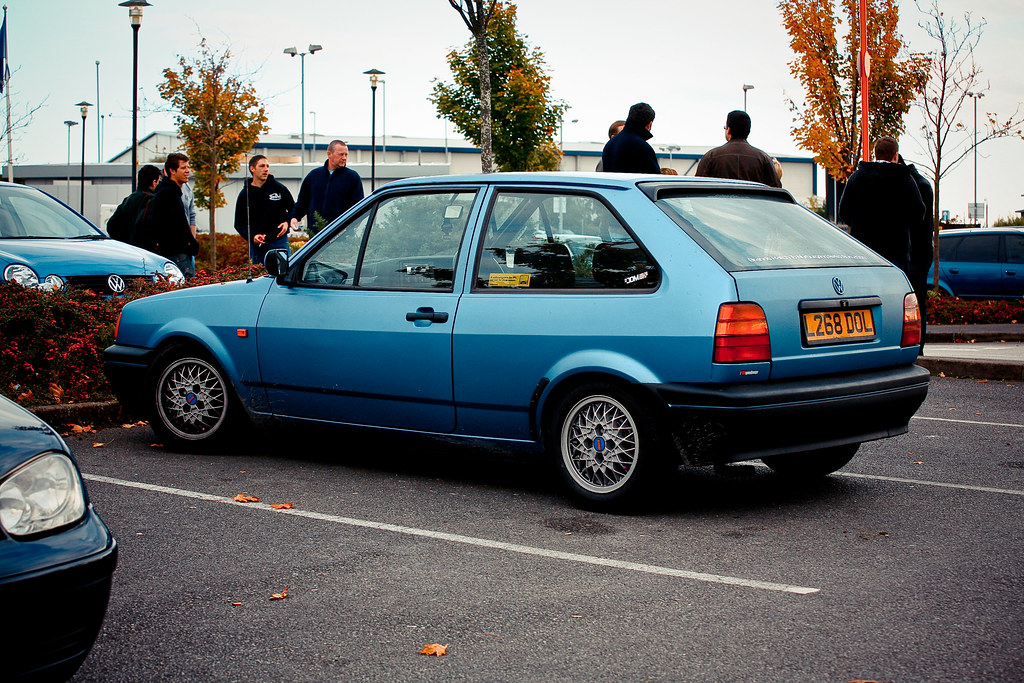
x=605, y=444
x=812, y=464
x=192, y=402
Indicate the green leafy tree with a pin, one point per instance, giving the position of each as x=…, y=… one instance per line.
x=524, y=117
x=826, y=64
x=219, y=118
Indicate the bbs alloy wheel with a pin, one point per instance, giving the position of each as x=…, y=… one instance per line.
x=600, y=444
x=191, y=399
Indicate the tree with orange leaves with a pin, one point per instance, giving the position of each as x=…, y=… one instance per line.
x=524, y=119
x=826, y=64
x=219, y=118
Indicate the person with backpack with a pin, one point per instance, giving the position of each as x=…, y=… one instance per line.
x=126, y=223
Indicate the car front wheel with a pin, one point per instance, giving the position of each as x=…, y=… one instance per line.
x=605, y=444
x=812, y=464
x=192, y=403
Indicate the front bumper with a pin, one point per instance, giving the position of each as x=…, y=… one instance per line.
x=126, y=368
x=54, y=613
x=728, y=423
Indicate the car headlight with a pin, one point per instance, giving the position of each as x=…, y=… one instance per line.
x=53, y=283
x=173, y=273
x=22, y=274
x=42, y=495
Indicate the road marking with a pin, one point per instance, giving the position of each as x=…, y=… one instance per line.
x=901, y=480
x=470, y=540
x=968, y=422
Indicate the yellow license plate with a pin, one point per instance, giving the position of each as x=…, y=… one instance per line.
x=851, y=324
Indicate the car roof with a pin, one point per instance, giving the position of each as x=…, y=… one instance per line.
x=579, y=179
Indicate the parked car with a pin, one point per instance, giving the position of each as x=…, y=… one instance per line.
x=44, y=243
x=714, y=321
x=981, y=262
x=57, y=557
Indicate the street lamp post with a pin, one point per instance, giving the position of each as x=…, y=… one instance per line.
x=314, y=131
x=312, y=49
x=67, y=195
x=83, y=107
x=374, y=75
x=975, y=96
x=99, y=119
x=135, y=16
x=746, y=87
x=670, y=149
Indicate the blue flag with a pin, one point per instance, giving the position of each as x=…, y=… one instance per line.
x=5, y=67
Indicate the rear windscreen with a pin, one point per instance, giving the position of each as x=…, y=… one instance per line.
x=756, y=232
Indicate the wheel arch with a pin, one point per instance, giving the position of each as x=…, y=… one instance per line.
x=556, y=390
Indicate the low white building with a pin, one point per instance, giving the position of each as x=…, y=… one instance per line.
x=396, y=157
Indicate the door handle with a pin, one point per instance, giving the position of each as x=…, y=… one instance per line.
x=428, y=314
x=1011, y=273
x=954, y=270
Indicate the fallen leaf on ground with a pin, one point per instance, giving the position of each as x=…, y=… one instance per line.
x=282, y=506
x=81, y=429
x=129, y=425
x=235, y=604
x=434, y=649
x=982, y=381
x=98, y=444
x=282, y=595
x=919, y=462
x=244, y=498
x=156, y=445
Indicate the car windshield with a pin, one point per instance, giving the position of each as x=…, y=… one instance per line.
x=27, y=214
x=757, y=232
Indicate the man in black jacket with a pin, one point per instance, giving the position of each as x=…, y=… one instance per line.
x=261, y=211
x=629, y=151
x=168, y=227
x=882, y=205
x=126, y=223
x=921, y=253
x=328, y=191
x=737, y=158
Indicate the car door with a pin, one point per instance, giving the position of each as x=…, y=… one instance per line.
x=360, y=329
x=1013, y=266
x=975, y=269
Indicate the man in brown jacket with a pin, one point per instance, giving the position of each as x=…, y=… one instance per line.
x=737, y=158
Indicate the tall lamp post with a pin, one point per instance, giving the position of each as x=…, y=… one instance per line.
x=135, y=16
x=313, y=49
x=975, y=96
x=746, y=87
x=374, y=75
x=99, y=119
x=83, y=107
x=314, y=131
x=67, y=196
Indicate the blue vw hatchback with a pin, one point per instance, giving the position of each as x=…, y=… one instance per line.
x=691, y=321
x=57, y=558
x=43, y=243
x=981, y=262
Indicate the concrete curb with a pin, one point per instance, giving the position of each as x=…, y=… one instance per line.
x=62, y=414
x=979, y=369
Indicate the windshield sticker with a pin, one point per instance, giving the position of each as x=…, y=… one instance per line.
x=637, y=278
x=508, y=280
x=807, y=257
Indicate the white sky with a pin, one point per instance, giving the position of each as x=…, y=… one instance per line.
x=683, y=57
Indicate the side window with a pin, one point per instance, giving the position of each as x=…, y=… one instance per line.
x=947, y=248
x=979, y=249
x=544, y=241
x=1015, y=249
x=334, y=263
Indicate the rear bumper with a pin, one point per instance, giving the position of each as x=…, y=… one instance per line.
x=728, y=423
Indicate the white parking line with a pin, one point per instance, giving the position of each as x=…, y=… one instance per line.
x=900, y=480
x=470, y=540
x=968, y=422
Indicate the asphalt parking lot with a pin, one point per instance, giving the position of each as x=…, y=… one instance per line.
x=906, y=566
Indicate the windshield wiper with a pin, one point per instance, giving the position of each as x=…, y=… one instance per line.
x=88, y=237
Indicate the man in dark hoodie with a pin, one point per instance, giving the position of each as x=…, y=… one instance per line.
x=261, y=211
x=328, y=191
x=882, y=205
x=168, y=224
x=629, y=151
x=921, y=254
x=127, y=222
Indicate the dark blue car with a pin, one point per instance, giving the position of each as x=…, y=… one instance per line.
x=57, y=557
x=981, y=263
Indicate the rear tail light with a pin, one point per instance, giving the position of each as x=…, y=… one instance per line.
x=741, y=335
x=911, y=321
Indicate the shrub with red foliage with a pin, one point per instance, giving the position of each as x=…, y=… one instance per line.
x=952, y=310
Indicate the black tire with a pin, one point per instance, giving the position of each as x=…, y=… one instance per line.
x=812, y=464
x=605, y=445
x=191, y=404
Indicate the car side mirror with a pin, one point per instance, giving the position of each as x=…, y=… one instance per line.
x=277, y=263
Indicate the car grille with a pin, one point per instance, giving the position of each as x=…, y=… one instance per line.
x=100, y=283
